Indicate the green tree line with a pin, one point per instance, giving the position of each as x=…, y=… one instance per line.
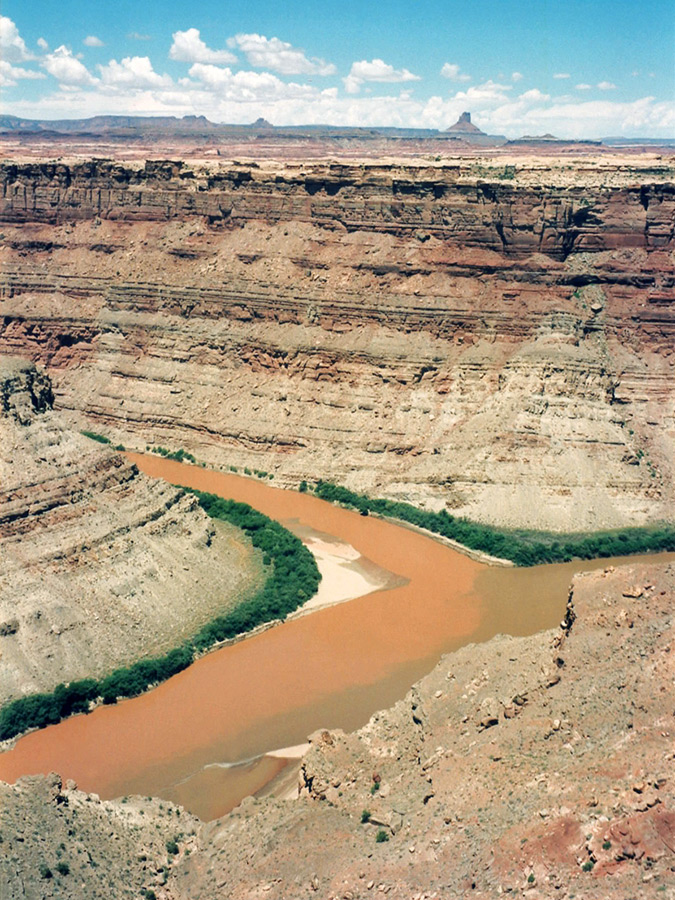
x=524, y=547
x=293, y=577
x=178, y=455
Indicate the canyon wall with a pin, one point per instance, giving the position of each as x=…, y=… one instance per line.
x=493, y=339
x=101, y=566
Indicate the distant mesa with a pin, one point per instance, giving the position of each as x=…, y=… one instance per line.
x=157, y=128
x=548, y=140
x=192, y=128
x=464, y=125
x=538, y=139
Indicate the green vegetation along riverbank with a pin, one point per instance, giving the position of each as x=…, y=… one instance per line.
x=293, y=579
x=521, y=546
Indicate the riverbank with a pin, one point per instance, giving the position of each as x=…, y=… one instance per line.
x=524, y=547
x=490, y=544
x=293, y=577
x=330, y=669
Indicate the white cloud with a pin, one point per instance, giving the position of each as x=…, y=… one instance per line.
x=280, y=56
x=598, y=118
x=606, y=86
x=560, y=75
x=534, y=96
x=375, y=70
x=452, y=71
x=134, y=72
x=188, y=46
x=67, y=69
x=42, y=43
x=516, y=76
x=481, y=95
x=9, y=74
x=12, y=46
x=583, y=87
x=92, y=41
x=135, y=36
x=246, y=86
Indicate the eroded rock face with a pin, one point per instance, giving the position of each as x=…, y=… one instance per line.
x=500, y=344
x=100, y=565
x=60, y=842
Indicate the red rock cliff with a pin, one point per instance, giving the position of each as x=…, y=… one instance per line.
x=493, y=339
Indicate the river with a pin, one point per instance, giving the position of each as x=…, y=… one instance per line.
x=201, y=738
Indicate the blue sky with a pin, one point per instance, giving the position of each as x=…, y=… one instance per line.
x=583, y=68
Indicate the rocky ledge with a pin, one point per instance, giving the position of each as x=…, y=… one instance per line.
x=100, y=565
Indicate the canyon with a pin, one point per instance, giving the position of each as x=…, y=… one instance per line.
x=488, y=334
x=493, y=336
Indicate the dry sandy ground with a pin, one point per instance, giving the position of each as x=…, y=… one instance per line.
x=345, y=573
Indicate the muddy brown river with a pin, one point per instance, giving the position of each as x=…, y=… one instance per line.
x=200, y=738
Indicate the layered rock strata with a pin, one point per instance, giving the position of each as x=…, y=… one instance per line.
x=539, y=765
x=100, y=565
x=492, y=339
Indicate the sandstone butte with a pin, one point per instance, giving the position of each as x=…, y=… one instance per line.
x=492, y=335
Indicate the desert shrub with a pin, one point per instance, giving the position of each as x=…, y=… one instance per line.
x=75, y=697
x=381, y=836
x=36, y=711
x=93, y=436
x=137, y=678
x=178, y=455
